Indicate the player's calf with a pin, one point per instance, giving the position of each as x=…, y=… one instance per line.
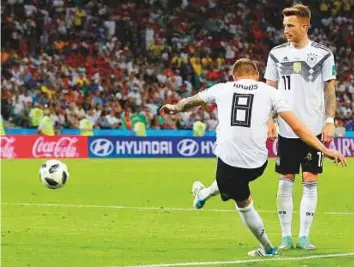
x=285, y=209
x=307, y=210
x=253, y=221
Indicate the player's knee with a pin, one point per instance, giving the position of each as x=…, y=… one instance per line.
x=309, y=177
x=244, y=203
x=288, y=176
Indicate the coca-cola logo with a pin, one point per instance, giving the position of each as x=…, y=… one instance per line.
x=7, y=148
x=64, y=147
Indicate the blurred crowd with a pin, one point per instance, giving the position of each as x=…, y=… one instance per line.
x=112, y=61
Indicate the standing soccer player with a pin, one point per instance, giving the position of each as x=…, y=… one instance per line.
x=304, y=73
x=244, y=107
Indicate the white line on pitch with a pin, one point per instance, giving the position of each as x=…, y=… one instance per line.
x=118, y=207
x=145, y=208
x=244, y=261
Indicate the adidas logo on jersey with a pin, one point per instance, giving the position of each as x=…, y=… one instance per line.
x=285, y=59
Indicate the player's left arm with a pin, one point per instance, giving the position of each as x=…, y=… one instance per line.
x=309, y=138
x=331, y=105
x=182, y=105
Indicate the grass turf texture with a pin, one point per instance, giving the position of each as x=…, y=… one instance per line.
x=101, y=233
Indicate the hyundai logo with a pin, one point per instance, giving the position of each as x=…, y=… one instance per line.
x=101, y=147
x=187, y=147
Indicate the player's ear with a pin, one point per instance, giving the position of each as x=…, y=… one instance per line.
x=306, y=25
x=234, y=76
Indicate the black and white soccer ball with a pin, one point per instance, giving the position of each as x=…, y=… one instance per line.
x=54, y=174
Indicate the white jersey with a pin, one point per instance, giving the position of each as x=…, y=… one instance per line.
x=244, y=108
x=301, y=74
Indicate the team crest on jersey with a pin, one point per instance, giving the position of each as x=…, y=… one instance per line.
x=311, y=58
x=297, y=67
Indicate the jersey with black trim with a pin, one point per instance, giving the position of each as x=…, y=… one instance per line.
x=301, y=74
x=243, y=111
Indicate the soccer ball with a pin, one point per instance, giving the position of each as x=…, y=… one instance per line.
x=54, y=174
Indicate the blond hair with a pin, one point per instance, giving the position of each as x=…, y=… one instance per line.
x=298, y=10
x=244, y=66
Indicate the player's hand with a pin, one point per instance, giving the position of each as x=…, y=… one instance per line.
x=337, y=157
x=328, y=133
x=168, y=109
x=272, y=130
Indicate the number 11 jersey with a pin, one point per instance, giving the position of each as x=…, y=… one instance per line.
x=300, y=74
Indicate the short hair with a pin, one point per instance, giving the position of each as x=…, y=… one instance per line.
x=244, y=66
x=298, y=10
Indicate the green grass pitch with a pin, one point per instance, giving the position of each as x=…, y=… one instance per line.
x=120, y=212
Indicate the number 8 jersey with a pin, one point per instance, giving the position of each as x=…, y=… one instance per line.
x=243, y=108
x=300, y=74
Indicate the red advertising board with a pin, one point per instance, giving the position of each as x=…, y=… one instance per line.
x=64, y=146
x=39, y=146
x=343, y=144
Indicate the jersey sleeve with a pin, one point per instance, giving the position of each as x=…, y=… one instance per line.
x=329, y=70
x=271, y=72
x=278, y=102
x=209, y=95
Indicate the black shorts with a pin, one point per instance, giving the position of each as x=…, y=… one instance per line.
x=293, y=153
x=233, y=182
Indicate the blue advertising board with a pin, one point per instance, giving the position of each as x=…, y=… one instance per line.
x=147, y=147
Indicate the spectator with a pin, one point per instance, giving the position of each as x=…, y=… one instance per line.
x=139, y=127
x=86, y=127
x=199, y=128
x=46, y=125
x=112, y=120
x=75, y=60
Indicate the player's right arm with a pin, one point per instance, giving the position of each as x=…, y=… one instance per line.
x=271, y=72
x=207, y=96
x=182, y=105
x=300, y=129
x=309, y=138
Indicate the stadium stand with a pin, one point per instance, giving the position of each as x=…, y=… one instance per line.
x=117, y=62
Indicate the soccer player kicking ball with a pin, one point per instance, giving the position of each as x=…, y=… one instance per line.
x=304, y=73
x=244, y=107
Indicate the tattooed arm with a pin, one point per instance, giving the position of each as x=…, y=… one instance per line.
x=189, y=102
x=330, y=98
x=331, y=105
x=182, y=105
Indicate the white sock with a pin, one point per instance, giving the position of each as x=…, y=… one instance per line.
x=253, y=221
x=307, y=207
x=285, y=205
x=207, y=192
